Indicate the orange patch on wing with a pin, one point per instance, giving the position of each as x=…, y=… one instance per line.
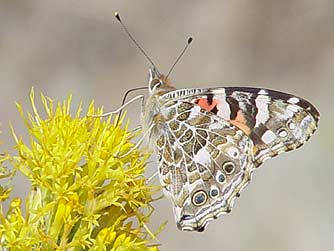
x=241, y=122
x=203, y=102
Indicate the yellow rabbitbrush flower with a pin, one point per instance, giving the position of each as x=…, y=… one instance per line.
x=5, y=173
x=88, y=189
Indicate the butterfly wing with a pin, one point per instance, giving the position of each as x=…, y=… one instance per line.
x=211, y=140
x=276, y=122
x=204, y=162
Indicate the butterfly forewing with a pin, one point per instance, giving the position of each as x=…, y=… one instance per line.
x=276, y=122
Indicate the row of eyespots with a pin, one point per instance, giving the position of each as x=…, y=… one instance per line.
x=228, y=168
x=200, y=197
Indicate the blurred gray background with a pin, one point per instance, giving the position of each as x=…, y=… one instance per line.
x=78, y=47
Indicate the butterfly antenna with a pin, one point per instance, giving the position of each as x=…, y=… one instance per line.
x=190, y=39
x=118, y=17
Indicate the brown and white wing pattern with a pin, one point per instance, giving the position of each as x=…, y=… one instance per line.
x=276, y=122
x=211, y=140
x=204, y=162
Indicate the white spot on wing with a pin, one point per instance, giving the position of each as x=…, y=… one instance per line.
x=262, y=115
x=306, y=122
x=224, y=110
x=219, y=91
x=263, y=92
x=233, y=152
x=194, y=112
x=298, y=134
x=293, y=100
x=203, y=157
x=292, y=125
x=290, y=111
x=268, y=137
x=223, y=107
x=283, y=134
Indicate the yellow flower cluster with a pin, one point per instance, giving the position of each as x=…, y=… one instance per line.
x=88, y=191
x=4, y=174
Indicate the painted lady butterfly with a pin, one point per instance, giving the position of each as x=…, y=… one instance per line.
x=210, y=140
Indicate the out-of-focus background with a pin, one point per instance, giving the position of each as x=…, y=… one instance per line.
x=69, y=46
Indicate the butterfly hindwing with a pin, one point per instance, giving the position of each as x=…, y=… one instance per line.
x=204, y=162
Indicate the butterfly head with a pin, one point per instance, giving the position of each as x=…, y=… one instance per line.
x=158, y=82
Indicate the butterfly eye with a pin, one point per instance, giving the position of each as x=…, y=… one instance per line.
x=199, y=198
x=155, y=84
x=229, y=167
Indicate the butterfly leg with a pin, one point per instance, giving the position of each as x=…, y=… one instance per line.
x=139, y=97
x=137, y=128
x=149, y=179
